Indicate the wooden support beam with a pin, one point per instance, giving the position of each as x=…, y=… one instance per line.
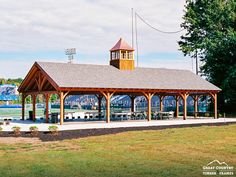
x=37, y=82
x=215, y=107
x=184, y=97
x=47, y=86
x=65, y=94
x=38, y=79
x=34, y=96
x=195, y=99
x=214, y=98
x=34, y=87
x=31, y=82
x=61, y=108
x=62, y=96
x=132, y=99
x=108, y=96
x=177, y=105
x=29, y=85
x=161, y=97
x=99, y=97
x=108, y=109
x=23, y=96
x=149, y=108
x=47, y=97
x=42, y=92
x=42, y=82
x=129, y=91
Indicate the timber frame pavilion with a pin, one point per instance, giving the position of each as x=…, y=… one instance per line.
x=119, y=78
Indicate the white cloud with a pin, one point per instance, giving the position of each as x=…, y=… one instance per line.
x=48, y=24
x=92, y=26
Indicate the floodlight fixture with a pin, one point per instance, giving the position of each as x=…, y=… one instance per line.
x=70, y=52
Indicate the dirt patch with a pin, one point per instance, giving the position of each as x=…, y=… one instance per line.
x=15, y=140
x=23, y=144
x=73, y=134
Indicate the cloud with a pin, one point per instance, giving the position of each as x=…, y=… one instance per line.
x=91, y=26
x=38, y=25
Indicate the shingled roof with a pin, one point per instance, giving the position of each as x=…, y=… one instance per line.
x=67, y=75
x=122, y=45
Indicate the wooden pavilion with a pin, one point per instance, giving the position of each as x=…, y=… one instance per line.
x=121, y=77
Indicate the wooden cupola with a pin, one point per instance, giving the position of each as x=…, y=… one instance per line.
x=122, y=56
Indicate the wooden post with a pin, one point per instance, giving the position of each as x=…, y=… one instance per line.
x=62, y=98
x=177, y=105
x=149, y=108
x=214, y=98
x=184, y=97
x=195, y=98
x=47, y=96
x=23, y=106
x=108, y=96
x=132, y=98
x=161, y=102
x=108, y=109
x=61, y=108
x=99, y=97
x=149, y=111
x=34, y=106
x=215, y=107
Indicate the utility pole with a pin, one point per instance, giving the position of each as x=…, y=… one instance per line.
x=136, y=36
x=132, y=16
x=196, y=63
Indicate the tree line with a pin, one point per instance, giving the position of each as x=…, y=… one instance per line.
x=16, y=81
x=211, y=35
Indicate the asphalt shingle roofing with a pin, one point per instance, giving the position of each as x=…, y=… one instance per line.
x=106, y=76
x=122, y=45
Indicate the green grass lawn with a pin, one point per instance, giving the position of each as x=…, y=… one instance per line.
x=170, y=152
x=16, y=112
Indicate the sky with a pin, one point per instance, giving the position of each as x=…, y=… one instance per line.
x=41, y=30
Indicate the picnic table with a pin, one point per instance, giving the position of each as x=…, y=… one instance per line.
x=121, y=115
x=70, y=112
x=138, y=115
x=92, y=114
x=166, y=115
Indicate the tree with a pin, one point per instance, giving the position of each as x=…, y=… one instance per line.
x=16, y=82
x=2, y=81
x=54, y=97
x=211, y=32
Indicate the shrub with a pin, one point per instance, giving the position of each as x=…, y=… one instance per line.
x=16, y=130
x=53, y=129
x=1, y=123
x=0, y=129
x=34, y=130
